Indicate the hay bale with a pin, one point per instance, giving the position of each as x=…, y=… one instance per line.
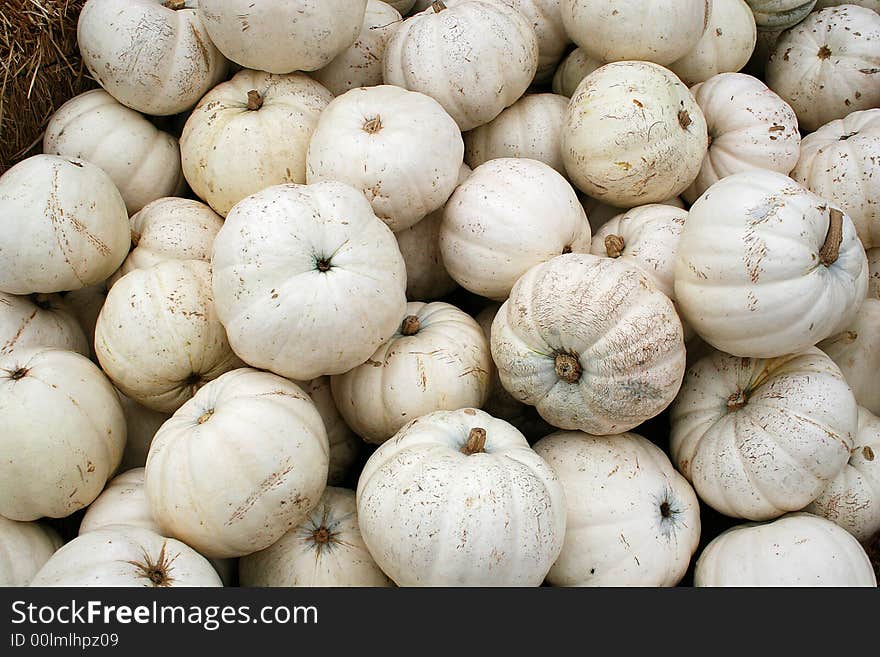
x=40, y=69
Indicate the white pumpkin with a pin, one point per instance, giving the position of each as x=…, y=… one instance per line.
x=250, y=133
x=153, y=56
x=658, y=31
x=773, y=15
x=510, y=214
x=632, y=520
x=457, y=498
x=591, y=343
x=856, y=350
x=142, y=161
x=841, y=162
x=86, y=304
x=39, y=320
x=64, y=225
x=601, y=213
x=530, y=128
x=122, y=502
x=63, y=433
x=828, y=65
x=575, y=67
x=797, y=550
x=437, y=360
x=364, y=138
x=24, y=548
x=852, y=499
x=633, y=135
x=361, y=64
x=344, y=443
x=483, y=56
x=142, y=424
x=280, y=37
x=760, y=437
x=326, y=549
x=251, y=443
x=307, y=280
x=726, y=45
x=123, y=556
x=750, y=127
x=158, y=336
x=874, y=267
x=766, y=267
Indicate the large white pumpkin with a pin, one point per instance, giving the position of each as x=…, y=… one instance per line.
x=326, y=549
x=122, y=502
x=158, y=336
x=575, y=67
x=841, y=162
x=238, y=465
x=123, y=556
x=250, y=133
x=307, y=280
x=797, y=550
x=24, y=548
x=750, y=127
x=852, y=499
x=633, y=134
x=457, y=498
x=483, y=56
x=39, y=320
x=280, y=37
x=399, y=147
x=510, y=214
x=632, y=519
x=149, y=56
x=437, y=360
x=63, y=225
x=760, y=437
x=63, y=433
x=658, y=31
x=766, y=267
x=828, y=65
x=142, y=424
x=591, y=343
x=774, y=15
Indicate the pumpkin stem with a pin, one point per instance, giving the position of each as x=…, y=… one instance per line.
x=20, y=373
x=255, y=100
x=323, y=264
x=158, y=572
x=476, y=442
x=373, y=125
x=411, y=325
x=438, y=6
x=737, y=400
x=566, y=249
x=665, y=510
x=204, y=417
x=174, y=4
x=614, y=245
x=824, y=52
x=830, y=250
x=321, y=535
x=568, y=368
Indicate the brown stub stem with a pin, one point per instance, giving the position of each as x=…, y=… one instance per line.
x=614, y=246
x=830, y=250
x=321, y=535
x=665, y=510
x=204, y=417
x=737, y=400
x=476, y=442
x=568, y=368
x=373, y=125
x=18, y=374
x=411, y=325
x=175, y=4
x=438, y=6
x=255, y=100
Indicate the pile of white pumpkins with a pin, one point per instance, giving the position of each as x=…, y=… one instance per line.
x=204, y=317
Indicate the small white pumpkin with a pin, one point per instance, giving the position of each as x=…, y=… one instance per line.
x=280, y=37
x=153, y=56
x=457, y=498
x=726, y=45
x=828, y=65
x=852, y=499
x=24, y=548
x=250, y=133
x=64, y=225
x=658, y=31
x=122, y=502
x=437, y=360
x=86, y=304
x=841, y=162
x=142, y=424
x=364, y=138
x=601, y=213
x=766, y=267
x=63, y=433
x=760, y=437
x=874, y=267
x=530, y=128
x=238, y=465
x=797, y=550
x=591, y=343
x=122, y=556
x=361, y=64
x=307, y=280
x=510, y=214
x=774, y=15
x=575, y=67
x=158, y=337
x=633, y=135
x=39, y=320
x=632, y=519
x=483, y=56
x=856, y=350
x=326, y=549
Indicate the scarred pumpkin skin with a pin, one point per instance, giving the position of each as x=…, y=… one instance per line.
x=39, y=320
x=24, y=548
